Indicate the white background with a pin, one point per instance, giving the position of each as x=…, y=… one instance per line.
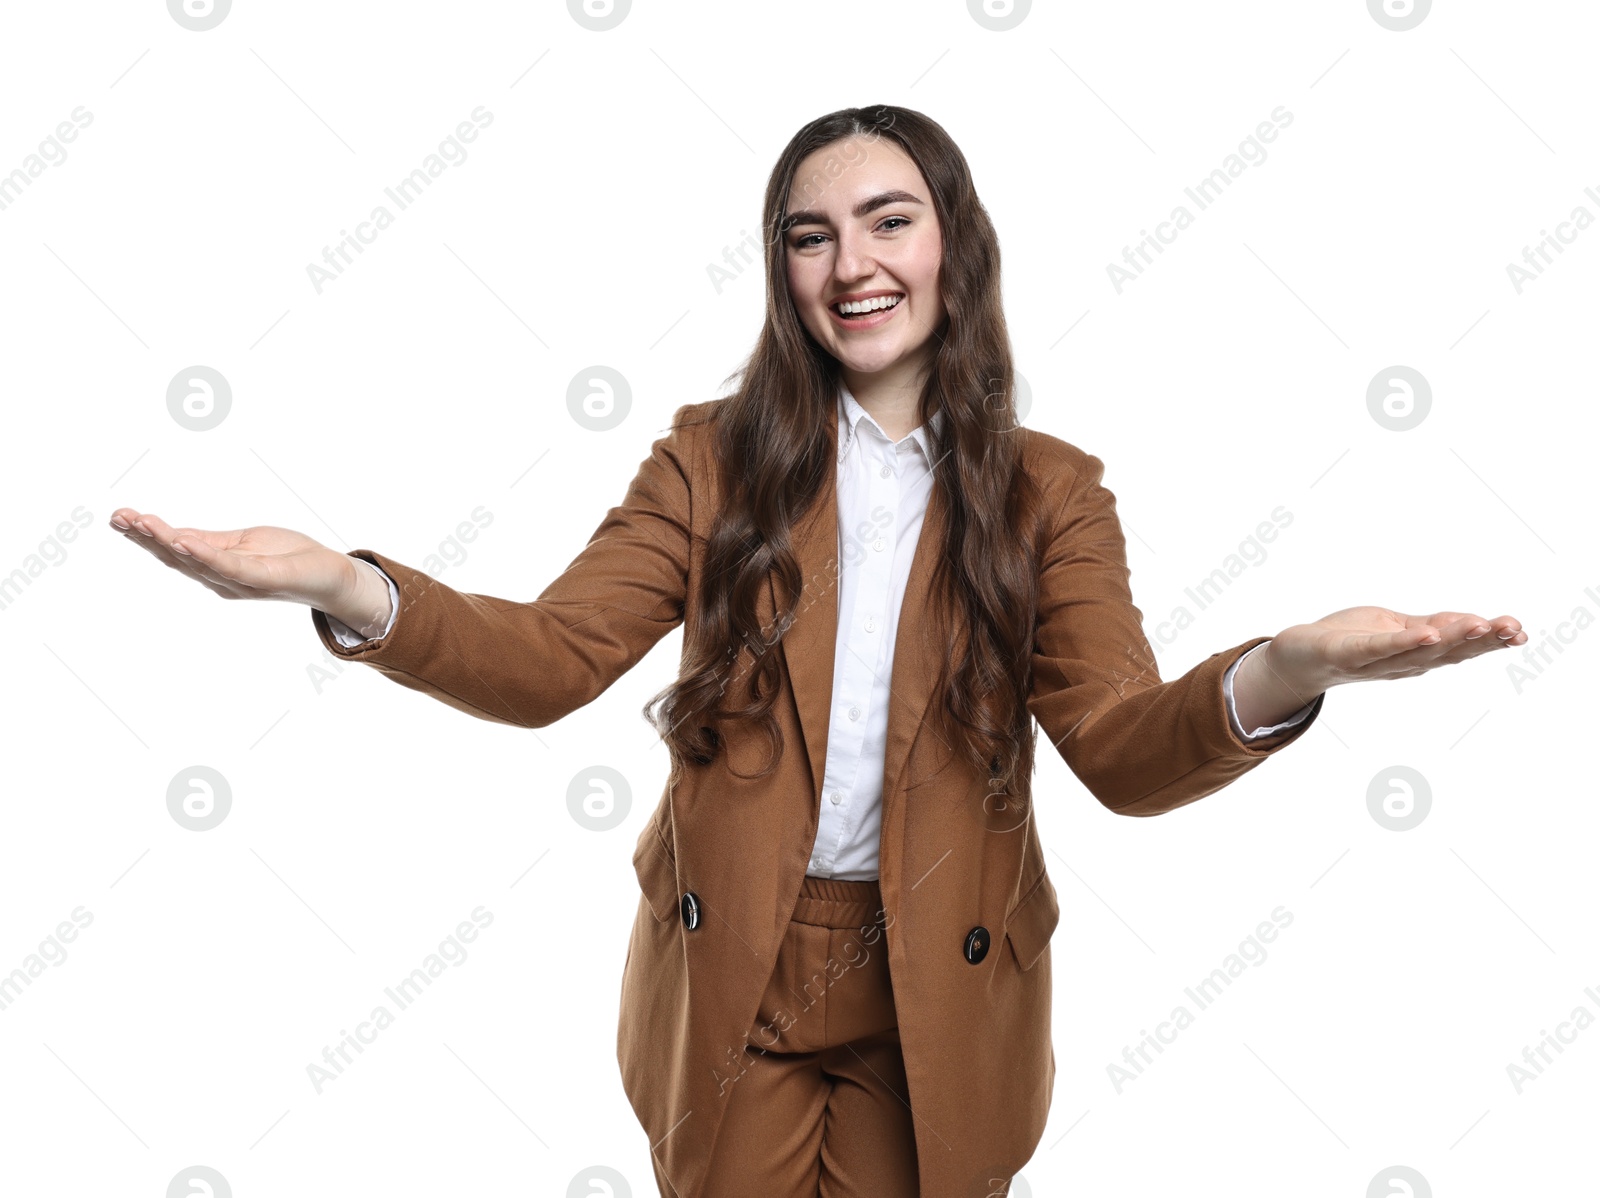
x=431, y=378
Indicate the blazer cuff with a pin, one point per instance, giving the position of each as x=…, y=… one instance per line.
x=1283, y=735
x=349, y=637
x=350, y=644
x=1233, y=706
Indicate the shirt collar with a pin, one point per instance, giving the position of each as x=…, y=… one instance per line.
x=851, y=414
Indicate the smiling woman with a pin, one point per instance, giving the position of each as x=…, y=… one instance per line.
x=891, y=238
x=839, y=975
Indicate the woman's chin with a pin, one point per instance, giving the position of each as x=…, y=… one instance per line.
x=870, y=362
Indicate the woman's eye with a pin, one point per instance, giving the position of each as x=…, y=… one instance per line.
x=804, y=242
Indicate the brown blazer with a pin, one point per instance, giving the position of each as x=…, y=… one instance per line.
x=976, y=1037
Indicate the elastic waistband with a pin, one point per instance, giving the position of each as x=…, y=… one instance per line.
x=836, y=903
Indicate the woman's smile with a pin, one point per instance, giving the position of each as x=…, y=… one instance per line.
x=865, y=309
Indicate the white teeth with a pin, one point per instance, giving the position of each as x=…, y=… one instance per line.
x=870, y=305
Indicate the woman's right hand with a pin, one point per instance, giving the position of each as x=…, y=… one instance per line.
x=247, y=563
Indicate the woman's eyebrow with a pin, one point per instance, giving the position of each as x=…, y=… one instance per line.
x=870, y=204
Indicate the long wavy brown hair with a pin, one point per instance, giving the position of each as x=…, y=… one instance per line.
x=772, y=449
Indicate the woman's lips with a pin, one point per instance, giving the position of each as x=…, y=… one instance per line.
x=870, y=321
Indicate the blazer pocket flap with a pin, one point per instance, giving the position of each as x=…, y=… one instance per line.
x=1031, y=923
x=658, y=872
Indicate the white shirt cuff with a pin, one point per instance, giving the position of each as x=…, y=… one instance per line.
x=1233, y=713
x=350, y=638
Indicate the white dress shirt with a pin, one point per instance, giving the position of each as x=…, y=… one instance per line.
x=883, y=489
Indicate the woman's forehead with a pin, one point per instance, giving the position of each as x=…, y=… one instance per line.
x=833, y=182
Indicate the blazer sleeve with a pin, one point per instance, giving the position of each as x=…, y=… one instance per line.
x=530, y=663
x=1140, y=745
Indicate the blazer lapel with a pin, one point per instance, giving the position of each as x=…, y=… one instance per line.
x=808, y=646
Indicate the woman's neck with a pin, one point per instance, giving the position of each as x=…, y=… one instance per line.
x=889, y=397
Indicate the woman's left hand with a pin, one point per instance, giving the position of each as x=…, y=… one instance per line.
x=1362, y=643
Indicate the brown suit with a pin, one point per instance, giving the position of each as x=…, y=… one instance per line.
x=975, y=1036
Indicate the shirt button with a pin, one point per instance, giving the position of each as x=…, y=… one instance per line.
x=885, y=472
x=855, y=713
x=871, y=625
x=878, y=544
x=835, y=798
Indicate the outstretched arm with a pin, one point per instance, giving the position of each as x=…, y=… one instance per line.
x=1142, y=746
x=531, y=663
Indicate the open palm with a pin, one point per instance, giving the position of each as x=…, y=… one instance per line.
x=262, y=562
x=1359, y=643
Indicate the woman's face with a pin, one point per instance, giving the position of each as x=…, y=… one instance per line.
x=867, y=229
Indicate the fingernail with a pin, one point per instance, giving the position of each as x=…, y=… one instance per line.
x=178, y=546
x=1472, y=636
x=119, y=523
x=1431, y=639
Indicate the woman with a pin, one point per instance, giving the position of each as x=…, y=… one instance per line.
x=883, y=580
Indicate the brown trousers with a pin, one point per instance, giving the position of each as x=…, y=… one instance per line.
x=821, y=1109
